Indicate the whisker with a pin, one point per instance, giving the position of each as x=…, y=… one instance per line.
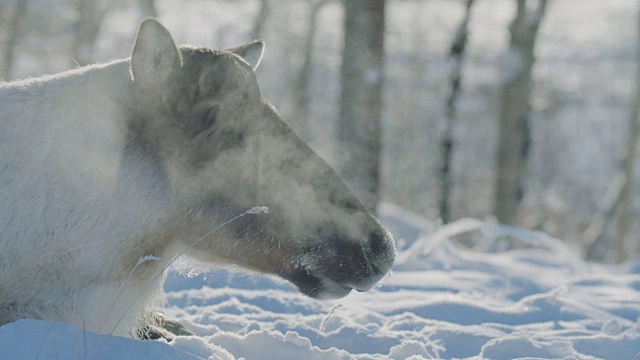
x=253, y=210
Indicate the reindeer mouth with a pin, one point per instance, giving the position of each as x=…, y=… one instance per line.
x=318, y=287
x=332, y=269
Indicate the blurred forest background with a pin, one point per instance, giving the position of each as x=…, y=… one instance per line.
x=522, y=111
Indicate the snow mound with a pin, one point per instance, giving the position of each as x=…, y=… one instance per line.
x=32, y=339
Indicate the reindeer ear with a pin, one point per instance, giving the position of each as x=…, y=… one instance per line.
x=154, y=54
x=251, y=52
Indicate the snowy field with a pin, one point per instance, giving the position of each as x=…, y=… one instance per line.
x=471, y=290
x=508, y=293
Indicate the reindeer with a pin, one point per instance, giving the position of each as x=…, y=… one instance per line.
x=110, y=171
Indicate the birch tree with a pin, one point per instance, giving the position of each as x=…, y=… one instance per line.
x=457, y=53
x=13, y=33
x=147, y=8
x=624, y=219
x=86, y=29
x=260, y=19
x=359, y=125
x=514, y=133
x=301, y=96
x=594, y=235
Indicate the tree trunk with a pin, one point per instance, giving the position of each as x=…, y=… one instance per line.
x=303, y=79
x=147, y=8
x=13, y=33
x=359, y=124
x=514, y=136
x=86, y=31
x=260, y=20
x=593, y=236
x=457, y=53
x=625, y=221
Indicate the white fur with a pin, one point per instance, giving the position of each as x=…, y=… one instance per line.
x=64, y=227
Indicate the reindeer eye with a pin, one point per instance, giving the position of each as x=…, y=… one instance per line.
x=203, y=121
x=210, y=118
x=230, y=139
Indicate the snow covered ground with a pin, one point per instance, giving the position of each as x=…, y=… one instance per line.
x=509, y=293
x=471, y=290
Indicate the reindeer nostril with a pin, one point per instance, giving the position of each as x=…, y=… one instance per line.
x=378, y=242
x=360, y=264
